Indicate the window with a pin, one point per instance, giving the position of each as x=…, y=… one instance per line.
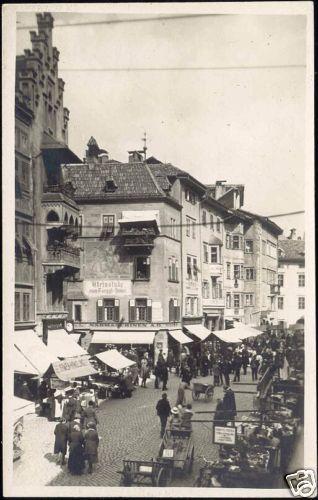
x=214, y=255
x=190, y=196
x=195, y=269
x=250, y=273
x=193, y=229
x=173, y=269
x=24, y=141
x=301, y=280
x=236, y=242
x=77, y=312
x=228, y=300
x=280, y=279
x=237, y=272
x=218, y=225
x=204, y=217
x=26, y=307
x=249, y=246
x=249, y=299
x=216, y=288
x=188, y=224
x=271, y=249
x=280, y=302
x=301, y=302
x=271, y=277
x=192, y=306
x=205, y=289
x=143, y=309
x=264, y=275
x=173, y=232
x=211, y=222
x=228, y=270
x=17, y=312
x=264, y=247
x=108, y=224
x=205, y=252
x=192, y=268
x=236, y=300
x=107, y=310
x=174, y=310
x=189, y=267
x=142, y=268
x=25, y=174
x=228, y=240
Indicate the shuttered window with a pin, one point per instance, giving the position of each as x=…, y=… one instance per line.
x=140, y=310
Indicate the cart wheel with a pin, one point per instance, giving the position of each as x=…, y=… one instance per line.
x=164, y=476
x=195, y=395
x=209, y=393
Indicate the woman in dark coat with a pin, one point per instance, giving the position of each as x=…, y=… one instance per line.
x=61, y=435
x=219, y=416
x=76, y=462
x=91, y=446
x=89, y=415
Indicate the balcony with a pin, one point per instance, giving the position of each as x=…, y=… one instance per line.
x=135, y=237
x=66, y=189
x=62, y=255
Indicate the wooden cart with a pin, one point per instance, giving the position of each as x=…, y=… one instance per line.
x=199, y=388
x=177, y=451
x=144, y=473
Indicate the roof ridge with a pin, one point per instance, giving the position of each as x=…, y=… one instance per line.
x=154, y=180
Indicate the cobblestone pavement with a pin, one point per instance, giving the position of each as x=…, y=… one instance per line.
x=129, y=429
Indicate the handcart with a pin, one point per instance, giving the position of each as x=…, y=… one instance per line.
x=144, y=473
x=199, y=388
x=177, y=451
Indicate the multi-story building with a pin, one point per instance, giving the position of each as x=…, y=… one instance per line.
x=291, y=280
x=49, y=258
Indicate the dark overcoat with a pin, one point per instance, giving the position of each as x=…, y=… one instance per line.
x=61, y=436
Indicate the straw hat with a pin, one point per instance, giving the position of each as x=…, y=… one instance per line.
x=175, y=411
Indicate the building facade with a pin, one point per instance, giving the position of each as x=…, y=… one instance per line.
x=292, y=281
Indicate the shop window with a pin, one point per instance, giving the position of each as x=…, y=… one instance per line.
x=301, y=280
x=142, y=268
x=17, y=312
x=249, y=246
x=77, y=312
x=174, y=310
x=140, y=310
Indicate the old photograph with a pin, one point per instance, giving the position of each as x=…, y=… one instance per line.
x=159, y=225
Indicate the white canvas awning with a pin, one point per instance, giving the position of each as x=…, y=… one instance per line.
x=22, y=407
x=114, y=359
x=118, y=337
x=63, y=345
x=130, y=216
x=199, y=331
x=32, y=348
x=72, y=368
x=180, y=337
x=22, y=365
x=237, y=334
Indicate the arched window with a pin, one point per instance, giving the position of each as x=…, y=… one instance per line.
x=27, y=251
x=52, y=217
x=66, y=218
x=76, y=222
x=71, y=221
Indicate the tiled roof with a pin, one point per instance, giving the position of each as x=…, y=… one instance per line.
x=264, y=220
x=133, y=180
x=292, y=249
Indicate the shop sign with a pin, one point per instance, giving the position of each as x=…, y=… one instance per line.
x=224, y=435
x=107, y=288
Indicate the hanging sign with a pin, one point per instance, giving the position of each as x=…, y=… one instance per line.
x=224, y=435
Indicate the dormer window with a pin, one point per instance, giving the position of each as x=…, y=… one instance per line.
x=110, y=186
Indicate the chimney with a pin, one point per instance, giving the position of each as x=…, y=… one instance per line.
x=135, y=156
x=292, y=235
x=92, y=151
x=103, y=157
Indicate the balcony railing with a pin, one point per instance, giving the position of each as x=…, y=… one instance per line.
x=63, y=254
x=66, y=189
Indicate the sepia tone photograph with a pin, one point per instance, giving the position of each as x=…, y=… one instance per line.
x=159, y=310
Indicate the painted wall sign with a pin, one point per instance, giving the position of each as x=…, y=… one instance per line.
x=101, y=260
x=224, y=435
x=107, y=288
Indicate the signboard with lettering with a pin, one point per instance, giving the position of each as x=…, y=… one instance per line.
x=224, y=435
x=107, y=288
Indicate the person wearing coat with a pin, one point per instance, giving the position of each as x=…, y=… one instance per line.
x=61, y=436
x=245, y=360
x=164, y=376
x=181, y=398
x=89, y=415
x=229, y=405
x=163, y=411
x=144, y=372
x=91, y=442
x=237, y=363
x=76, y=461
x=157, y=373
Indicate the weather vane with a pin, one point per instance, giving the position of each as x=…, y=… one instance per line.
x=144, y=139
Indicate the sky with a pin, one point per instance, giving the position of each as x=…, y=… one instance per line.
x=243, y=121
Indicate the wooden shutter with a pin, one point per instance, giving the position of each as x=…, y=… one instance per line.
x=149, y=310
x=132, y=310
x=116, y=309
x=99, y=311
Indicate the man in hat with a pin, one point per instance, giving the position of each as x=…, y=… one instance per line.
x=163, y=411
x=174, y=421
x=91, y=442
x=229, y=405
x=60, y=444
